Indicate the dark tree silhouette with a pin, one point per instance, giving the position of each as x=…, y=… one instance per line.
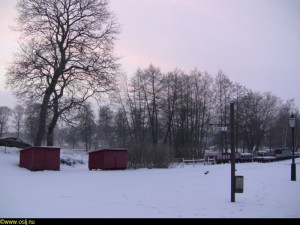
x=65, y=57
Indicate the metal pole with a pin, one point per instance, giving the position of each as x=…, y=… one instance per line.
x=293, y=166
x=232, y=152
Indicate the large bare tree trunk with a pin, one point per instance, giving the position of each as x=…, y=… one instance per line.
x=45, y=104
x=42, y=120
x=51, y=127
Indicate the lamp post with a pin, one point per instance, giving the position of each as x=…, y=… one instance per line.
x=292, y=123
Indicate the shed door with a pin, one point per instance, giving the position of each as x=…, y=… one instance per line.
x=52, y=159
x=120, y=158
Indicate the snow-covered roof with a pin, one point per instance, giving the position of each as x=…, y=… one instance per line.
x=49, y=147
x=109, y=149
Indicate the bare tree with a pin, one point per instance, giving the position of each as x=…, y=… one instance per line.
x=281, y=129
x=71, y=135
x=105, y=127
x=121, y=129
x=4, y=116
x=201, y=110
x=31, y=121
x=223, y=89
x=257, y=115
x=18, y=117
x=268, y=113
x=151, y=86
x=169, y=93
x=86, y=125
x=238, y=93
x=65, y=57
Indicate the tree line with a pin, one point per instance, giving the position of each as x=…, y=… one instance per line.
x=161, y=116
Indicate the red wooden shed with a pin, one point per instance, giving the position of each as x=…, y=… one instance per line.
x=108, y=159
x=40, y=158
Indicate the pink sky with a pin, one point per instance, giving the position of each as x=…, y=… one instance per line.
x=255, y=42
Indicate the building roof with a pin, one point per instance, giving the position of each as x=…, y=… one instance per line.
x=109, y=149
x=41, y=147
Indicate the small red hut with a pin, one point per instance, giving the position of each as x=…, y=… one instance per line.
x=40, y=158
x=108, y=159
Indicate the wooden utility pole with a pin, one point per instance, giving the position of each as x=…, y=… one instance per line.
x=232, y=140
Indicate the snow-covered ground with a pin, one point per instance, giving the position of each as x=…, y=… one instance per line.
x=76, y=192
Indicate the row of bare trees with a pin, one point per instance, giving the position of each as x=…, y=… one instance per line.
x=171, y=114
x=160, y=116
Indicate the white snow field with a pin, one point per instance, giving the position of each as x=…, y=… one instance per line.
x=76, y=192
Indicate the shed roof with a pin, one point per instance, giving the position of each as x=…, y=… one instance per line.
x=109, y=149
x=43, y=147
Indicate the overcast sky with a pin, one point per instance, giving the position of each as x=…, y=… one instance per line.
x=255, y=42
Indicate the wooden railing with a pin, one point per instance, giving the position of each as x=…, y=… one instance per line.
x=193, y=161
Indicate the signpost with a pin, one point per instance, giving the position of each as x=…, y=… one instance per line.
x=232, y=138
x=220, y=128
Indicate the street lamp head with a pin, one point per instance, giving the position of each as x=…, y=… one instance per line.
x=292, y=121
